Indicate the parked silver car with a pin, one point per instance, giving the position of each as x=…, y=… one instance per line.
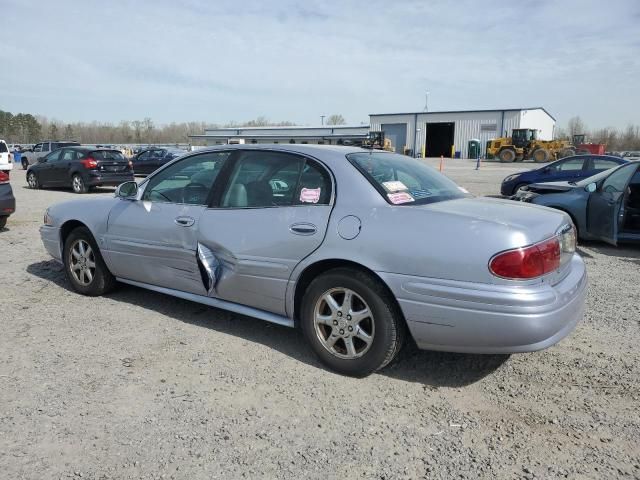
x=354, y=246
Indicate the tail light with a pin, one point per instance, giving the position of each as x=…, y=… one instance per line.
x=89, y=162
x=527, y=262
x=4, y=177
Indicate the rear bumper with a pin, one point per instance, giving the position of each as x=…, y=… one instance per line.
x=51, y=240
x=478, y=318
x=7, y=201
x=113, y=179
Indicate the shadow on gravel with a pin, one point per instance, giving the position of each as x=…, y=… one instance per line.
x=432, y=369
x=625, y=251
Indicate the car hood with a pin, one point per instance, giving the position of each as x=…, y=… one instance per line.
x=544, y=187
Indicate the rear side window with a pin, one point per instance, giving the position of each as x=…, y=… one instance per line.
x=114, y=155
x=602, y=164
x=3, y=147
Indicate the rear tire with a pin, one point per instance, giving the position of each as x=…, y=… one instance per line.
x=541, y=155
x=25, y=164
x=358, y=332
x=32, y=181
x=3, y=222
x=567, y=152
x=78, y=184
x=83, y=264
x=507, y=155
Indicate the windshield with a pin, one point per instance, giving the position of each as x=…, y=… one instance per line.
x=405, y=180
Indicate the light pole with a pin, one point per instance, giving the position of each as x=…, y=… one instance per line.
x=426, y=103
x=322, y=120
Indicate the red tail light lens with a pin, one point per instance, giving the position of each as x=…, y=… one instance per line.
x=4, y=177
x=89, y=162
x=528, y=262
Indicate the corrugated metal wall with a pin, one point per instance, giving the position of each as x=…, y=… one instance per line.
x=468, y=125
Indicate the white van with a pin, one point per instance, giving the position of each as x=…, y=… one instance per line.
x=6, y=157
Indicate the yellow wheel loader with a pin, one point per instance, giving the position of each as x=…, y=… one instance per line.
x=524, y=145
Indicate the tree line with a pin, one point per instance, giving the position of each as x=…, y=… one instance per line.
x=28, y=128
x=615, y=139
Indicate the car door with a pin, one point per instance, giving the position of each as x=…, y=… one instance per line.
x=45, y=169
x=153, y=239
x=605, y=210
x=155, y=159
x=60, y=169
x=567, y=170
x=271, y=213
x=139, y=163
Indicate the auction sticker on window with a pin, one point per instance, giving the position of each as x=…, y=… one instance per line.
x=394, y=186
x=310, y=195
x=400, y=197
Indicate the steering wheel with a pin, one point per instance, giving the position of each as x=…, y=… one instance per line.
x=195, y=193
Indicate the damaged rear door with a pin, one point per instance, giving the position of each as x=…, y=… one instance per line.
x=153, y=239
x=271, y=213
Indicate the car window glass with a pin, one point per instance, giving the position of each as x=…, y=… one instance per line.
x=37, y=148
x=114, y=155
x=603, y=164
x=45, y=147
x=67, y=155
x=572, y=164
x=617, y=181
x=188, y=181
x=263, y=179
x=314, y=186
x=144, y=156
x=54, y=156
x=3, y=147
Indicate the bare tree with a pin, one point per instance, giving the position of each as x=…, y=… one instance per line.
x=336, y=119
x=576, y=126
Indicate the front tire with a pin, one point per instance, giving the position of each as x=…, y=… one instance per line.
x=83, y=264
x=25, y=163
x=507, y=155
x=78, y=185
x=32, y=181
x=351, y=322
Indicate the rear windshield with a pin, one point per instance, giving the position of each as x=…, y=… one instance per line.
x=57, y=145
x=404, y=180
x=108, y=155
x=3, y=147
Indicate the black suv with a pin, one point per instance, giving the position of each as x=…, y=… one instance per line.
x=81, y=168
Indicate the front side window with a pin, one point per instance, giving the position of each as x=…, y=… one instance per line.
x=568, y=165
x=188, y=181
x=404, y=180
x=37, y=148
x=618, y=180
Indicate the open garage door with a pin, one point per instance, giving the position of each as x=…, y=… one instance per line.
x=397, y=133
x=439, y=139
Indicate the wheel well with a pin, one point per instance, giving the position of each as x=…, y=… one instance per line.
x=318, y=268
x=67, y=228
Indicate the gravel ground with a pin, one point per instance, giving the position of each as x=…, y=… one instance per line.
x=141, y=385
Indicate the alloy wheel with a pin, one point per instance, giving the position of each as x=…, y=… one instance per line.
x=77, y=184
x=344, y=323
x=82, y=262
x=32, y=180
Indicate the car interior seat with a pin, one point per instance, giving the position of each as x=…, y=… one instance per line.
x=259, y=194
x=236, y=196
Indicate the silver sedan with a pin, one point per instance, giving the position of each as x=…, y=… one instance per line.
x=358, y=248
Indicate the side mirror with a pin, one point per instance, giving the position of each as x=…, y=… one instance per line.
x=592, y=187
x=127, y=190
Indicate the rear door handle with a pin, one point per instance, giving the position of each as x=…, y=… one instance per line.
x=303, y=228
x=185, y=221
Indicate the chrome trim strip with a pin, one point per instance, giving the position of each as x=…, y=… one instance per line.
x=217, y=303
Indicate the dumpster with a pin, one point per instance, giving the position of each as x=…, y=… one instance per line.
x=474, y=148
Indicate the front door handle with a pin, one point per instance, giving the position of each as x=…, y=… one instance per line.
x=303, y=228
x=185, y=221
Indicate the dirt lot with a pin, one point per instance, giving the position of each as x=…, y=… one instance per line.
x=140, y=385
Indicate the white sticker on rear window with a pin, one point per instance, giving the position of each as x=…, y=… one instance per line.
x=400, y=197
x=310, y=195
x=394, y=186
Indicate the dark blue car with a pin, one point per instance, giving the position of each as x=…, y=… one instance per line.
x=565, y=170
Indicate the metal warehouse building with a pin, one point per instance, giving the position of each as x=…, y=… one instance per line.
x=442, y=133
x=328, y=134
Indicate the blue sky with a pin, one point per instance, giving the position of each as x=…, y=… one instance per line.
x=220, y=61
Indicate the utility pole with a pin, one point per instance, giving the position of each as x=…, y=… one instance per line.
x=426, y=103
x=322, y=119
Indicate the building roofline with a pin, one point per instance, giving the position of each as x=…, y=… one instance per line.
x=276, y=136
x=466, y=111
x=295, y=127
